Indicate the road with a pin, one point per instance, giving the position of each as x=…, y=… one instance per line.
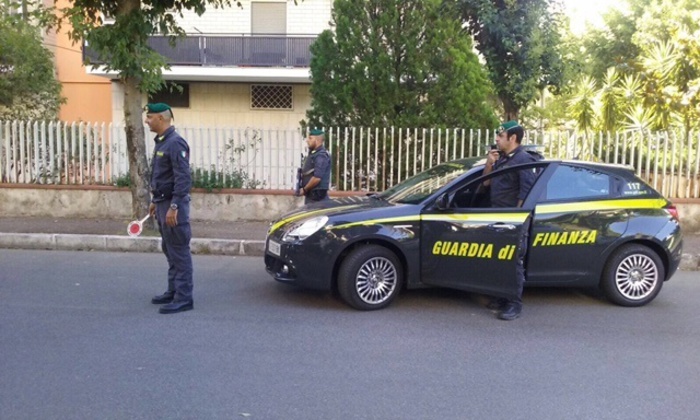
x=79, y=339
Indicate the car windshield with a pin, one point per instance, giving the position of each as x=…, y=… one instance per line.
x=416, y=189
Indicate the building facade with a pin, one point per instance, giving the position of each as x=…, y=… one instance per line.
x=238, y=67
x=88, y=97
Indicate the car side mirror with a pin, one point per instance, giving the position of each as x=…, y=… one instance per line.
x=442, y=202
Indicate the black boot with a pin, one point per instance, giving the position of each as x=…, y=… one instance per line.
x=177, y=306
x=166, y=297
x=510, y=311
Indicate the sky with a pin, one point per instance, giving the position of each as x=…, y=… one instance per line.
x=582, y=11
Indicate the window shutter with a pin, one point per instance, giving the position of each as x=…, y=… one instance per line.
x=269, y=18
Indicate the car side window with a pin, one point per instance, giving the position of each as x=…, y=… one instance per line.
x=573, y=182
x=478, y=195
x=636, y=187
x=473, y=196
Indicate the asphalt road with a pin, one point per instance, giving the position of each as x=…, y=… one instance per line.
x=79, y=339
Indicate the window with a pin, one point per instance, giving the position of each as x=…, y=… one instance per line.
x=171, y=95
x=570, y=182
x=636, y=187
x=271, y=97
x=268, y=18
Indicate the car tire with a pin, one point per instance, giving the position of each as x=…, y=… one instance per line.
x=370, y=277
x=633, y=276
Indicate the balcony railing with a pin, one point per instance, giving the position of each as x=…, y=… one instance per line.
x=227, y=50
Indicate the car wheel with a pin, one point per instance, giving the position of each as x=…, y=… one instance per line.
x=370, y=277
x=633, y=276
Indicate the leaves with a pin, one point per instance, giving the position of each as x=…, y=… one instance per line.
x=582, y=105
x=521, y=45
x=655, y=74
x=28, y=85
x=397, y=63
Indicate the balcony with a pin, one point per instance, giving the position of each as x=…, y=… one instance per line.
x=285, y=51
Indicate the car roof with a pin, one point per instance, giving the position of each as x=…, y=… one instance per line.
x=480, y=160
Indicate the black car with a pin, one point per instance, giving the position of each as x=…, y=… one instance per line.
x=590, y=225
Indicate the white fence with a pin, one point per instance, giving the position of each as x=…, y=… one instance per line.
x=363, y=158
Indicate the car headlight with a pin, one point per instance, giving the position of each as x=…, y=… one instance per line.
x=305, y=229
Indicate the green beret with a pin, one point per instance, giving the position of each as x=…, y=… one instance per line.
x=316, y=132
x=158, y=108
x=507, y=126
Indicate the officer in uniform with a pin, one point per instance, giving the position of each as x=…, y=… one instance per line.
x=316, y=172
x=510, y=190
x=170, y=185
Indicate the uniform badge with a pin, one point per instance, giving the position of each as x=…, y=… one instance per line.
x=183, y=154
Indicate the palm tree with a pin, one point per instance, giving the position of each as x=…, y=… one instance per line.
x=610, y=106
x=661, y=64
x=582, y=107
x=582, y=104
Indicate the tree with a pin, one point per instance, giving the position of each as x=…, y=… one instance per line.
x=654, y=47
x=519, y=40
x=397, y=63
x=28, y=86
x=611, y=46
x=668, y=40
x=582, y=105
x=123, y=47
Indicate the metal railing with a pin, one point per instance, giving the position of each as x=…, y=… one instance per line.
x=364, y=159
x=230, y=50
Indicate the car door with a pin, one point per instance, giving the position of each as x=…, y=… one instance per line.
x=576, y=219
x=468, y=245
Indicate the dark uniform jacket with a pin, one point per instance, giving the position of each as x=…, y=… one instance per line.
x=318, y=164
x=507, y=190
x=170, y=168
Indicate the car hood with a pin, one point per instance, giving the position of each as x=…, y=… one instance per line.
x=335, y=208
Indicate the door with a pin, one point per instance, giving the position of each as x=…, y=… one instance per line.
x=575, y=221
x=471, y=246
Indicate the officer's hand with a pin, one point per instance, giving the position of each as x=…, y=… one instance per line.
x=492, y=157
x=152, y=209
x=171, y=218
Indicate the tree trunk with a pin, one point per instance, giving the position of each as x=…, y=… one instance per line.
x=139, y=172
x=511, y=109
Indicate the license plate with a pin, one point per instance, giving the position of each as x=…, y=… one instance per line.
x=274, y=247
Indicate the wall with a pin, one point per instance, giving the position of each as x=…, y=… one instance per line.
x=88, y=98
x=227, y=105
x=306, y=17
x=115, y=203
x=233, y=205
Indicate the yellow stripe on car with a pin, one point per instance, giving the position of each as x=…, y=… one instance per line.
x=644, y=203
x=486, y=217
x=371, y=222
x=307, y=214
x=479, y=217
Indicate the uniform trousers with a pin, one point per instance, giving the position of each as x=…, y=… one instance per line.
x=316, y=195
x=176, y=247
x=520, y=262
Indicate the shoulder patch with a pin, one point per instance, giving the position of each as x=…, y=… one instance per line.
x=183, y=154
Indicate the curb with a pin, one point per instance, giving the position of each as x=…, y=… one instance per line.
x=199, y=246
x=116, y=243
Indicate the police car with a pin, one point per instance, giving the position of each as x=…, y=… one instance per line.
x=588, y=225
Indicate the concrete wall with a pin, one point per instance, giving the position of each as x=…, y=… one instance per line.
x=231, y=205
x=227, y=105
x=115, y=203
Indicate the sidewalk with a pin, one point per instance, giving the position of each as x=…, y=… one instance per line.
x=220, y=238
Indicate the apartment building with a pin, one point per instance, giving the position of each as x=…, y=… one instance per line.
x=88, y=97
x=239, y=67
